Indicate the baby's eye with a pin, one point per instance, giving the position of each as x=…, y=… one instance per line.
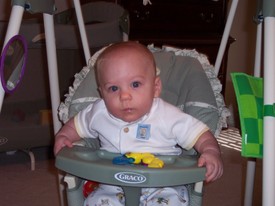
x=113, y=88
x=136, y=84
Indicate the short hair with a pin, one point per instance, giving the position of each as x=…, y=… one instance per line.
x=133, y=45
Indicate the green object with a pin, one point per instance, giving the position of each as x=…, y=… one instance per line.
x=249, y=94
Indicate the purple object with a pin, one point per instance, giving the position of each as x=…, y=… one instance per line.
x=13, y=63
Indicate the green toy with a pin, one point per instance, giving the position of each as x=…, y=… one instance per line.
x=249, y=93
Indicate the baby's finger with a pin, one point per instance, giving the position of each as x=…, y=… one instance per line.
x=57, y=149
x=210, y=172
x=67, y=143
x=215, y=172
x=201, y=162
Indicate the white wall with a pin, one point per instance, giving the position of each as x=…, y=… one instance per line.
x=241, y=53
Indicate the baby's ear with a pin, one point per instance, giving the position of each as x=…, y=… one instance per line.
x=158, y=86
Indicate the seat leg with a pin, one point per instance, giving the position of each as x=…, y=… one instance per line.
x=198, y=187
x=249, y=183
x=132, y=195
x=32, y=158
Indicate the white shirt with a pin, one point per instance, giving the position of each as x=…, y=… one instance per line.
x=159, y=132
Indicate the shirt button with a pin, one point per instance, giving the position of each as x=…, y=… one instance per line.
x=126, y=129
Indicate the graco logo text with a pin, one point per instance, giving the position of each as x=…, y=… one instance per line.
x=130, y=177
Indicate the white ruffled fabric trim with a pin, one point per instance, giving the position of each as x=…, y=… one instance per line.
x=78, y=78
x=224, y=112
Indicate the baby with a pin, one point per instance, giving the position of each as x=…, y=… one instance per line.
x=131, y=117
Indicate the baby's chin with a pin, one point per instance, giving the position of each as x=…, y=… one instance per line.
x=130, y=118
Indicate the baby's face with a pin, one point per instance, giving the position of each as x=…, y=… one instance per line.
x=128, y=85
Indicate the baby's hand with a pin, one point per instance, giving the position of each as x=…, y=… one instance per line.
x=60, y=142
x=213, y=163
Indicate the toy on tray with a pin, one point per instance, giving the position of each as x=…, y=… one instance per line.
x=139, y=158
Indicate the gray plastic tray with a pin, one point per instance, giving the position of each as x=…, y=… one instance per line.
x=97, y=165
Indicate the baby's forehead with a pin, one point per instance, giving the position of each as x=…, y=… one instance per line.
x=126, y=53
x=135, y=50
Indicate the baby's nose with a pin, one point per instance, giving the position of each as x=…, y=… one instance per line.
x=125, y=95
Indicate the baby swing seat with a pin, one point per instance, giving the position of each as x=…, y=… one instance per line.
x=178, y=67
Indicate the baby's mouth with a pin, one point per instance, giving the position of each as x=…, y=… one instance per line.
x=128, y=110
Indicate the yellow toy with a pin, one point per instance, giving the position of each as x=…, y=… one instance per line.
x=146, y=158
